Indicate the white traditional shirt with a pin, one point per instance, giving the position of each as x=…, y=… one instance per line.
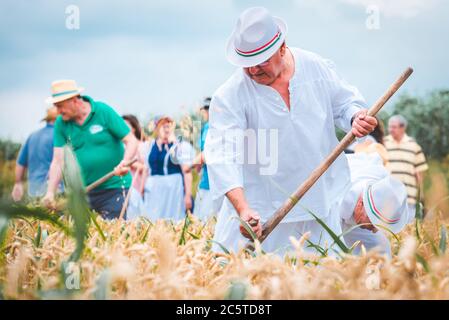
x=302, y=136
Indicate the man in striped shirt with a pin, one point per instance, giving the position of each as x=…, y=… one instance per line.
x=406, y=159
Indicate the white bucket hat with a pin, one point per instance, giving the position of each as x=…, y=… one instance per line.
x=255, y=38
x=62, y=90
x=385, y=203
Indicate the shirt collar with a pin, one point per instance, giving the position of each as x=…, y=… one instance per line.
x=405, y=138
x=92, y=103
x=92, y=110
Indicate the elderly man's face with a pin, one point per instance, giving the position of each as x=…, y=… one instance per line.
x=396, y=130
x=68, y=109
x=267, y=72
x=360, y=216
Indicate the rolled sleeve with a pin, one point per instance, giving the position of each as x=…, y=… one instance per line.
x=223, y=147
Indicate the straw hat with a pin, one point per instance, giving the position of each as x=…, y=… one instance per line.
x=385, y=203
x=161, y=120
x=257, y=35
x=62, y=90
x=52, y=114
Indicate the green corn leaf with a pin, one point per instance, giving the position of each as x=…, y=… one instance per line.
x=247, y=227
x=354, y=245
x=318, y=248
x=4, y=223
x=389, y=231
x=77, y=203
x=336, y=238
x=93, y=217
x=443, y=240
x=20, y=211
x=349, y=231
x=222, y=247
x=182, y=239
x=145, y=235
x=307, y=261
x=37, y=240
x=250, y=252
x=30, y=223
x=194, y=236
x=417, y=233
x=422, y=261
x=419, y=210
x=173, y=226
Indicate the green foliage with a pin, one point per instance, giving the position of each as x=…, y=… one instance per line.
x=443, y=237
x=420, y=259
x=8, y=155
x=8, y=150
x=11, y=210
x=4, y=221
x=335, y=237
x=182, y=239
x=6, y=177
x=428, y=121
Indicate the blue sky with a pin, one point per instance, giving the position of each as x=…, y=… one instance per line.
x=163, y=57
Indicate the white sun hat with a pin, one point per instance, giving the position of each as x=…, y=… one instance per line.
x=255, y=38
x=62, y=90
x=385, y=203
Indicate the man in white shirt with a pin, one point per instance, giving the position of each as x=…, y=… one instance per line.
x=286, y=100
x=376, y=201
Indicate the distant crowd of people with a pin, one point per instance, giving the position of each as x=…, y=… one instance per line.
x=158, y=184
x=374, y=186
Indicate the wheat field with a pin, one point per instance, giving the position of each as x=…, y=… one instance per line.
x=141, y=260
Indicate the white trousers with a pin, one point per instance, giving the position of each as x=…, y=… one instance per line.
x=135, y=204
x=164, y=198
x=227, y=234
x=370, y=240
x=203, y=205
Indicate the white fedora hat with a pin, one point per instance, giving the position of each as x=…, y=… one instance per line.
x=255, y=38
x=62, y=90
x=385, y=203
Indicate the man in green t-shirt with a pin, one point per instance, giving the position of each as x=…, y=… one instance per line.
x=102, y=142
